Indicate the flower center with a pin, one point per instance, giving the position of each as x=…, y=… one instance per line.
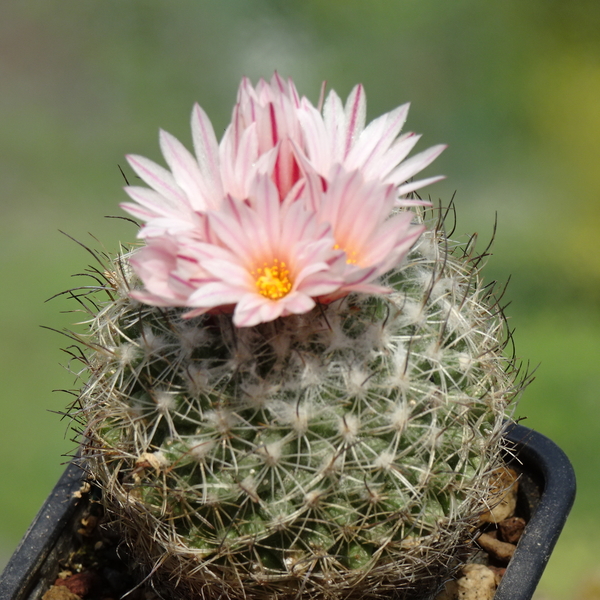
x=351, y=255
x=273, y=281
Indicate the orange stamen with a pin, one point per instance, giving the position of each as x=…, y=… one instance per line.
x=273, y=281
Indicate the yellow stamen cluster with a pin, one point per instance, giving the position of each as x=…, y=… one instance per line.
x=351, y=255
x=273, y=281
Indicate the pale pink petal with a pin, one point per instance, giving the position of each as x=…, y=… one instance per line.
x=233, y=273
x=157, y=227
x=155, y=265
x=391, y=158
x=391, y=234
x=297, y=223
x=245, y=164
x=253, y=309
x=286, y=88
x=402, y=248
x=199, y=251
x=368, y=288
x=206, y=148
x=397, y=254
x=377, y=138
x=321, y=283
x=417, y=185
x=215, y=293
x=355, y=113
x=315, y=140
x=161, y=216
x=156, y=204
x=151, y=299
x=295, y=193
x=265, y=199
x=355, y=280
x=227, y=225
x=408, y=202
x=229, y=234
x=190, y=314
x=415, y=164
x=309, y=269
x=138, y=212
x=355, y=208
x=227, y=150
x=298, y=303
x=158, y=178
x=187, y=173
x=267, y=127
x=334, y=119
x=266, y=162
x=399, y=150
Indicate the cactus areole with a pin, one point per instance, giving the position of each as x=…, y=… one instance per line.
x=297, y=386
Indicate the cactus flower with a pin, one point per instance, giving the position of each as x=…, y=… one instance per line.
x=269, y=260
x=339, y=136
x=212, y=221
x=358, y=212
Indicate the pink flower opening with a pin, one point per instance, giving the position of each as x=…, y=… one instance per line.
x=359, y=212
x=269, y=259
x=271, y=111
x=338, y=136
x=292, y=207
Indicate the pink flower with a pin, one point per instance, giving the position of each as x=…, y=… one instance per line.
x=269, y=260
x=273, y=260
x=358, y=212
x=259, y=140
x=292, y=207
x=169, y=278
x=339, y=136
x=191, y=187
x=270, y=112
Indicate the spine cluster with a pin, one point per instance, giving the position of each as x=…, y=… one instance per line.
x=341, y=453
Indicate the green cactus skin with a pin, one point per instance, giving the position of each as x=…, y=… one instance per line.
x=343, y=453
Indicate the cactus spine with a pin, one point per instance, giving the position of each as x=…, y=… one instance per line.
x=342, y=453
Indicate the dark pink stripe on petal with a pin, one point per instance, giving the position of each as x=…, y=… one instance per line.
x=355, y=112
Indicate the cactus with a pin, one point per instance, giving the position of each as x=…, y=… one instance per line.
x=343, y=451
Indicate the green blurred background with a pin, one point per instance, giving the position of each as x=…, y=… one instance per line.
x=512, y=86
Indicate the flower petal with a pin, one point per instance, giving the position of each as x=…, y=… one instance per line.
x=355, y=113
x=215, y=293
x=187, y=173
x=417, y=185
x=416, y=163
x=206, y=148
x=158, y=178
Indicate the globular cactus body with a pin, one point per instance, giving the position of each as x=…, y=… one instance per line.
x=341, y=453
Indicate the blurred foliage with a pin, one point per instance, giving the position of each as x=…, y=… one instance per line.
x=512, y=86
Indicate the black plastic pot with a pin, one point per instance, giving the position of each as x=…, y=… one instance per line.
x=548, y=484
x=547, y=492
x=34, y=564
